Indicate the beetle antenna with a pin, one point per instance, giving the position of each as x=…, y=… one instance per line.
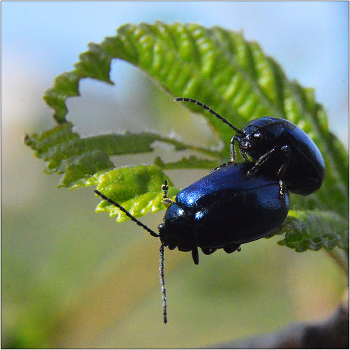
x=127, y=214
x=161, y=249
x=162, y=282
x=217, y=115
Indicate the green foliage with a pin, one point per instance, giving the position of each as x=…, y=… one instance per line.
x=314, y=230
x=135, y=188
x=231, y=75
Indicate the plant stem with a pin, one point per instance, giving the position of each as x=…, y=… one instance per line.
x=341, y=258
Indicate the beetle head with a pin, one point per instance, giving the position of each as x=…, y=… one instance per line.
x=251, y=141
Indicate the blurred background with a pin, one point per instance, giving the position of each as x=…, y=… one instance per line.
x=73, y=278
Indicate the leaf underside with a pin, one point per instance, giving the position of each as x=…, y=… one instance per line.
x=314, y=230
x=231, y=75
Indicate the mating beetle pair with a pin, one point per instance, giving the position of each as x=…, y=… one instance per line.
x=240, y=202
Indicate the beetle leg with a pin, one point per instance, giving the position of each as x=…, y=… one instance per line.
x=233, y=150
x=233, y=153
x=283, y=189
x=282, y=170
x=166, y=201
x=230, y=248
x=261, y=161
x=241, y=150
x=208, y=251
x=220, y=166
x=284, y=166
x=195, y=256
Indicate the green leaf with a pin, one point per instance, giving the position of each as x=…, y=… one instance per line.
x=314, y=230
x=65, y=152
x=80, y=168
x=137, y=189
x=43, y=142
x=191, y=162
x=221, y=69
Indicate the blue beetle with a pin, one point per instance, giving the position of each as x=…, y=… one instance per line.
x=280, y=148
x=224, y=209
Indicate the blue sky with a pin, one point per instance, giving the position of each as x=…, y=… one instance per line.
x=40, y=40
